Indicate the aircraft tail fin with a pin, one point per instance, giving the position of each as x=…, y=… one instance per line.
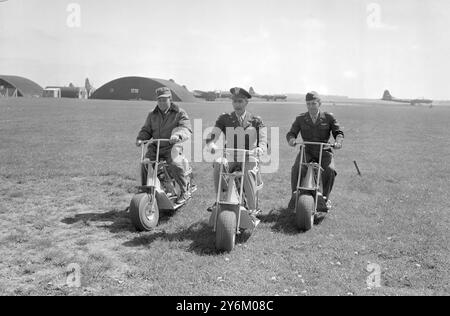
x=387, y=96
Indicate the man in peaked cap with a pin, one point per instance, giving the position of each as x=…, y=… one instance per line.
x=242, y=130
x=315, y=126
x=168, y=121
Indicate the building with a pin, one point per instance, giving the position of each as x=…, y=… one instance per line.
x=51, y=93
x=140, y=88
x=15, y=86
x=68, y=92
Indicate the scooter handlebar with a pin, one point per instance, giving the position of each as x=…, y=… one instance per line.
x=251, y=152
x=151, y=141
x=325, y=145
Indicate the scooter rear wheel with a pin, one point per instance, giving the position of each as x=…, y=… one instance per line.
x=226, y=231
x=304, y=212
x=144, y=212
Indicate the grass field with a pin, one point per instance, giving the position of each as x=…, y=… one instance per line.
x=68, y=172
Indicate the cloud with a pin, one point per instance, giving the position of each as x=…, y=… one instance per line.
x=383, y=27
x=312, y=24
x=350, y=74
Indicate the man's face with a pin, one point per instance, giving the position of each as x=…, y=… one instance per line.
x=239, y=104
x=163, y=103
x=313, y=106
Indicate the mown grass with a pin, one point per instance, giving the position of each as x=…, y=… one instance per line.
x=68, y=171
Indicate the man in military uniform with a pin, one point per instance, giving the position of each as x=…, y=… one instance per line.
x=242, y=130
x=315, y=126
x=167, y=121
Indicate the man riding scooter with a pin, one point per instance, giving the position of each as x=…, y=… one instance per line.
x=241, y=129
x=315, y=126
x=168, y=121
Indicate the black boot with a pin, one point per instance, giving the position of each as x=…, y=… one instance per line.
x=291, y=204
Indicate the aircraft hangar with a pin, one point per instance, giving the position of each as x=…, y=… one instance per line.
x=140, y=88
x=15, y=86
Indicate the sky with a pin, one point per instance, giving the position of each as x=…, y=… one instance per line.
x=355, y=48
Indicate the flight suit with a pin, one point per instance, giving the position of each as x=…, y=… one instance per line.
x=248, y=134
x=161, y=125
x=320, y=131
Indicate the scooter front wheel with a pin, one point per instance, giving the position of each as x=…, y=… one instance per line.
x=144, y=212
x=226, y=231
x=304, y=212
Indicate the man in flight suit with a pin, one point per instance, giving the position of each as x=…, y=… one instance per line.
x=315, y=126
x=168, y=121
x=242, y=130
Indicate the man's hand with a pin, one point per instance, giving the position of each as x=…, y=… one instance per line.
x=338, y=143
x=174, y=139
x=259, y=151
x=138, y=142
x=292, y=142
x=212, y=148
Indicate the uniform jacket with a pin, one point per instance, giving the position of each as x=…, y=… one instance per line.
x=251, y=124
x=159, y=125
x=320, y=131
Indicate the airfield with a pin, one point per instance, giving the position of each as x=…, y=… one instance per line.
x=68, y=170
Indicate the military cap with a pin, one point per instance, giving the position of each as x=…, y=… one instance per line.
x=240, y=93
x=163, y=92
x=311, y=96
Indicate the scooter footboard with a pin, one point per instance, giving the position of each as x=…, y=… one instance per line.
x=247, y=222
x=163, y=201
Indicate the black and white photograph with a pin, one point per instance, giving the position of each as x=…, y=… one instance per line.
x=226, y=155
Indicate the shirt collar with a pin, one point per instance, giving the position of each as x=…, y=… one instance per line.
x=173, y=107
x=316, y=117
x=242, y=117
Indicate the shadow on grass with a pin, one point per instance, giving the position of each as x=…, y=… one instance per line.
x=284, y=221
x=120, y=220
x=200, y=234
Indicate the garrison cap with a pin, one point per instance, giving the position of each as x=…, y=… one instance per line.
x=163, y=92
x=240, y=93
x=312, y=96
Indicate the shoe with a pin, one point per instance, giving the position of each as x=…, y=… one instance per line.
x=212, y=207
x=324, y=208
x=254, y=212
x=328, y=204
x=182, y=198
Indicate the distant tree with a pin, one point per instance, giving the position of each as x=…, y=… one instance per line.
x=71, y=85
x=87, y=86
x=171, y=80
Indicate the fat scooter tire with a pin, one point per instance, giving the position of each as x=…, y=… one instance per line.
x=143, y=217
x=226, y=231
x=304, y=212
